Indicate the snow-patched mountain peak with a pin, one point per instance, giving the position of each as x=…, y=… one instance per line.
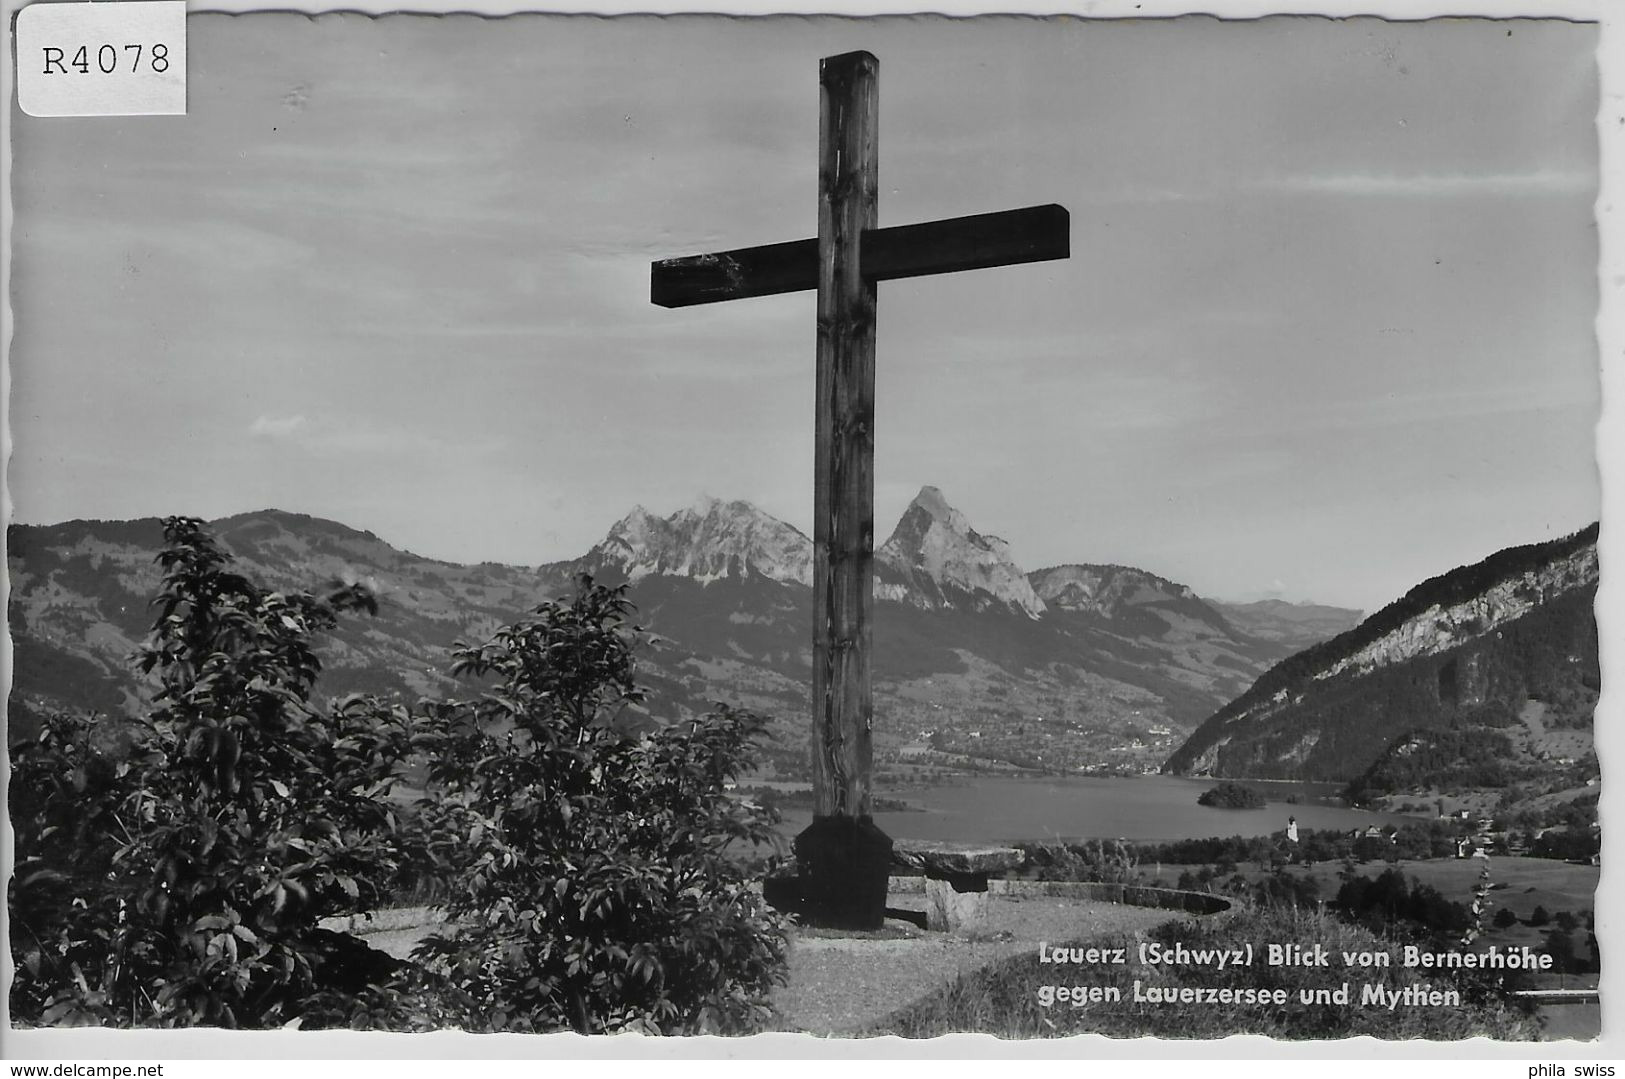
x=707, y=541
x=935, y=559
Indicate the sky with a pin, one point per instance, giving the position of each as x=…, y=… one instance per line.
x=1326, y=331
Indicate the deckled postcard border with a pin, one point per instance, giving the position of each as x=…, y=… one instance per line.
x=1610, y=722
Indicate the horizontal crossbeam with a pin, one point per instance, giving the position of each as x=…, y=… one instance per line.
x=735, y=275
x=1005, y=238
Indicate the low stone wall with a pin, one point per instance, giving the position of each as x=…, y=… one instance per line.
x=1132, y=895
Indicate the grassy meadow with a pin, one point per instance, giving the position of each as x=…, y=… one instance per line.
x=1006, y=998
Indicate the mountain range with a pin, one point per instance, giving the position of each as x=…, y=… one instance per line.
x=1071, y=666
x=1489, y=672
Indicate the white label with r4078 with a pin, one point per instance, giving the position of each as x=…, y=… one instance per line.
x=120, y=59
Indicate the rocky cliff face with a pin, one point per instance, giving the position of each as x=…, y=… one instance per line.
x=1103, y=589
x=1127, y=597
x=935, y=560
x=1447, y=623
x=708, y=541
x=1514, y=627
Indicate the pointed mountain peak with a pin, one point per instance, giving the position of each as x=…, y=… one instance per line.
x=930, y=500
x=927, y=508
x=931, y=505
x=628, y=542
x=636, y=525
x=935, y=559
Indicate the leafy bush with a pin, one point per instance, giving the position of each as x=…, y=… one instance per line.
x=1283, y=889
x=67, y=786
x=592, y=882
x=190, y=854
x=1091, y=860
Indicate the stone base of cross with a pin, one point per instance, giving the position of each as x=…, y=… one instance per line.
x=843, y=859
x=843, y=872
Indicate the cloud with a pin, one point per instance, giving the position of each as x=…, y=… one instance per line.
x=323, y=436
x=276, y=426
x=1442, y=185
x=1150, y=195
x=359, y=436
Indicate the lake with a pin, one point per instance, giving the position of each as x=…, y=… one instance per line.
x=1157, y=808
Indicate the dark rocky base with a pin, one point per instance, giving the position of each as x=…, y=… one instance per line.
x=844, y=866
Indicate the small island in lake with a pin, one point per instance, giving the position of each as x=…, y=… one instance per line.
x=1228, y=795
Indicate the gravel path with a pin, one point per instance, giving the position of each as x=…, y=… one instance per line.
x=840, y=983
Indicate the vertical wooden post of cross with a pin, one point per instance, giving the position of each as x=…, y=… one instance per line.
x=843, y=465
x=844, y=858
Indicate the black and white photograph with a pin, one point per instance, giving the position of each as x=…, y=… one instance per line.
x=1053, y=527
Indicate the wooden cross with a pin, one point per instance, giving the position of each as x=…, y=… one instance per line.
x=850, y=255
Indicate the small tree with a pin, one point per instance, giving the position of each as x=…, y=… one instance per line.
x=1283, y=889
x=1559, y=944
x=1504, y=919
x=1539, y=917
x=233, y=817
x=593, y=870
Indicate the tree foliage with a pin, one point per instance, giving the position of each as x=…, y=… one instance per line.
x=172, y=870
x=1418, y=839
x=1231, y=795
x=1571, y=843
x=594, y=870
x=1116, y=862
x=1463, y=757
x=67, y=786
x=1394, y=903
